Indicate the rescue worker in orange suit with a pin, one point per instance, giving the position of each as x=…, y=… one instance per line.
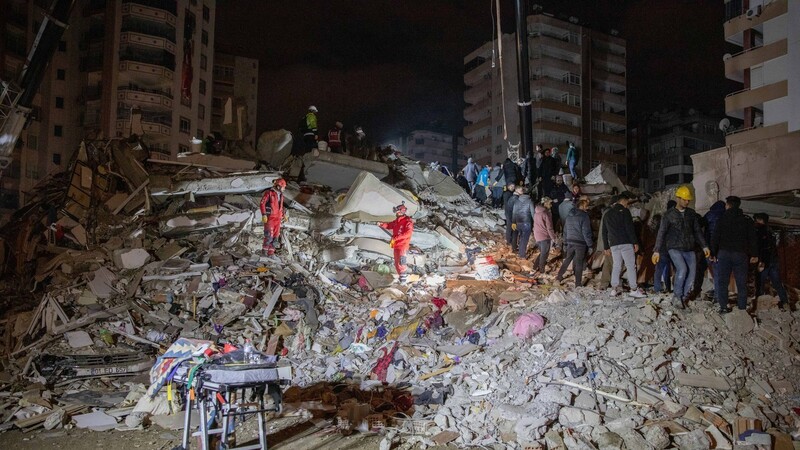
x=335, y=136
x=402, y=228
x=272, y=214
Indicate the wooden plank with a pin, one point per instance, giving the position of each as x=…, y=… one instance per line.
x=130, y=197
x=91, y=318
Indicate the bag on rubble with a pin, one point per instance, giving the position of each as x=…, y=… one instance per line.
x=527, y=325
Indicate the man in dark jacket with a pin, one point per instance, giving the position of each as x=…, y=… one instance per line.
x=514, y=193
x=559, y=192
x=733, y=241
x=679, y=232
x=547, y=173
x=620, y=241
x=471, y=174
x=522, y=223
x=768, y=260
x=578, y=237
x=510, y=171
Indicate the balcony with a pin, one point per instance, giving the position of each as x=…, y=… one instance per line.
x=556, y=125
x=555, y=84
x=602, y=74
x=124, y=127
x=477, y=74
x=480, y=107
x=615, y=118
x=610, y=58
x=478, y=126
x=609, y=97
x=554, y=105
x=736, y=64
x=150, y=69
x=477, y=145
x=549, y=41
x=476, y=93
x=94, y=7
x=734, y=28
x=148, y=41
x=613, y=138
x=91, y=63
x=753, y=134
x=161, y=11
x=546, y=60
x=738, y=101
x=136, y=25
x=152, y=121
x=92, y=93
x=145, y=97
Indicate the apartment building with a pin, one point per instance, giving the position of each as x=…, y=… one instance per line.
x=578, y=89
x=670, y=139
x=235, y=98
x=760, y=159
x=431, y=146
x=123, y=67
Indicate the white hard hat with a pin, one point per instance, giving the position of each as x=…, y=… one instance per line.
x=339, y=125
x=312, y=108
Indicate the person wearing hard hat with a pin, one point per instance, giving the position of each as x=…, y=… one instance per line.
x=679, y=233
x=272, y=214
x=402, y=227
x=335, y=138
x=308, y=126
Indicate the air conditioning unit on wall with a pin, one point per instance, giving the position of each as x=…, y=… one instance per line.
x=753, y=12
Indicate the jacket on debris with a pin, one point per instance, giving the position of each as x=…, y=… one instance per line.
x=272, y=204
x=680, y=231
x=402, y=228
x=618, y=227
x=578, y=228
x=523, y=210
x=543, y=225
x=735, y=232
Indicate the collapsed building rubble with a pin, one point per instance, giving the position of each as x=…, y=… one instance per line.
x=126, y=256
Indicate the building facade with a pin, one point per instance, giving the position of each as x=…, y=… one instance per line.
x=432, y=147
x=235, y=98
x=670, y=140
x=123, y=67
x=760, y=159
x=578, y=89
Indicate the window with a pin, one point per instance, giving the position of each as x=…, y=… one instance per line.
x=58, y=130
x=498, y=149
x=200, y=134
x=183, y=148
x=203, y=62
x=499, y=129
x=57, y=159
x=62, y=46
x=206, y=13
x=60, y=102
x=202, y=87
x=33, y=141
x=201, y=111
x=61, y=74
x=571, y=99
x=204, y=37
x=571, y=78
x=185, y=125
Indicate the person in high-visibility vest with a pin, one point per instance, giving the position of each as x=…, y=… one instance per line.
x=335, y=138
x=308, y=126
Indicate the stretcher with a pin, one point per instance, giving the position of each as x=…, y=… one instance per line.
x=220, y=394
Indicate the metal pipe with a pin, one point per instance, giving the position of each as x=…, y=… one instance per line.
x=524, y=85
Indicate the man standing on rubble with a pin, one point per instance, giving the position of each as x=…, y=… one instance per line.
x=308, y=126
x=733, y=241
x=497, y=180
x=578, y=237
x=620, y=241
x=471, y=174
x=547, y=173
x=679, y=232
x=335, y=138
x=402, y=227
x=558, y=194
x=543, y=232
x=768, y=260
x=522, y=222
x=508, y=207
x=272, y=215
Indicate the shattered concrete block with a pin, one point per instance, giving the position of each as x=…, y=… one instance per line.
x=739, y=322
x=705, y=381
x=695, y=440
x=132, y=258
x=449, y=241
x=656, y=436
x=610, y=441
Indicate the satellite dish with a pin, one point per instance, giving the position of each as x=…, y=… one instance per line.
x=726, y=56
x=724, y=124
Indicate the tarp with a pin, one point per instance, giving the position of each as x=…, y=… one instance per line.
x=370, y=200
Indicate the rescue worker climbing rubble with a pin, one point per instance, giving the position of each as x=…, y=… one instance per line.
x=402, y=228
x=272, y=214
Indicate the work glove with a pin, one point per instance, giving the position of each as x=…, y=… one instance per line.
x=391, y=243
x=655, y=257
x=761, y=267
x=285, y=218
x=514, y=226
x=706, y=252
x=264, y=219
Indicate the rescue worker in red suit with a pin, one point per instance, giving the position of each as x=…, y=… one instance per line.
x=335, y=138
x=402, y=227
x=272, y=214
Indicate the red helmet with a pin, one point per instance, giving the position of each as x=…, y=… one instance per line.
x=279, y=182
x=400, y=209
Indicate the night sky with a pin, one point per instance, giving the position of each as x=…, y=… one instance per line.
x=390, y=66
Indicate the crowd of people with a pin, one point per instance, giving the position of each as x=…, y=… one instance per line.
x=683, y=246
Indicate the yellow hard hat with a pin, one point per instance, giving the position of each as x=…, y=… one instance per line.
x=684, y=192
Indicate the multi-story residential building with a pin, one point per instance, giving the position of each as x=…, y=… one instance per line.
x=123, y=67
x=760, y=160
x=432, y=146
x=669, y=139
x=235, y=95
x=578, y=89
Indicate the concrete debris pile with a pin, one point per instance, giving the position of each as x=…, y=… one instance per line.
x=454, y=357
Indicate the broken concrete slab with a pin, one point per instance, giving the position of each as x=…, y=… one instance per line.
x=370, y=200
x=705, y=381
x=339, y=171
x=131, y=258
